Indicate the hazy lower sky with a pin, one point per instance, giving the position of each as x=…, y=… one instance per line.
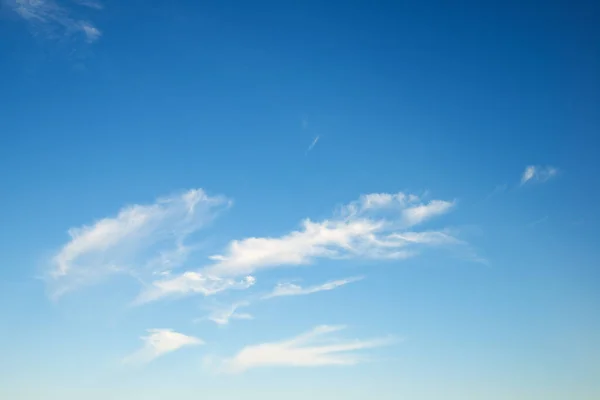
x=299, y=199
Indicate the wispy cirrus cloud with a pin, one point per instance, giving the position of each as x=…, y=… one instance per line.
x=141, y=240
x=191, y=283
x=376, y=226
x=148, y=241
x=291, y=289
x=221, y=315
x=52, y=19
x=537, y=173
x=311, y=349
x=160, y=342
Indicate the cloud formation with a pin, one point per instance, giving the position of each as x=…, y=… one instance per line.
x=141, y=240
x=290, y=289
x=160, y=342
x=375, y=226
x=537, y=173
x=222, y=315
x=148, y=242
x=303, y=351
x=50, y=18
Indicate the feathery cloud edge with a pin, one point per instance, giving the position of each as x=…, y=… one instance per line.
x=149, y=241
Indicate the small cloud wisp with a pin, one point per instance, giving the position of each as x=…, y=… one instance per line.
x=290, y=289
x=536, y=173
x=191, y=283
x=160, y=342
x=313, y=144
x=223, y=315
x=310, y=349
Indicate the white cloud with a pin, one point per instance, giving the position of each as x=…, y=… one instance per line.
x=140, y=240
x=290, y=289
x=147, y=241
x=222, y=315
x=420, y=213
x=50, y=18
x=191, y=283
x=375, y=226
x=538, y=173
x=302, y=351
x=160, y=342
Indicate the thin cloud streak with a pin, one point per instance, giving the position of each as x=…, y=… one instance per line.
x=313, y=144
x=190, y=283
x=304, y=350
x=290, y=289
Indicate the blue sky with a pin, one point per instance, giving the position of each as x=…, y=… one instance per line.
x=391, y=200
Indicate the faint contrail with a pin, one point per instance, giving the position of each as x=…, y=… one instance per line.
x=314, y=142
